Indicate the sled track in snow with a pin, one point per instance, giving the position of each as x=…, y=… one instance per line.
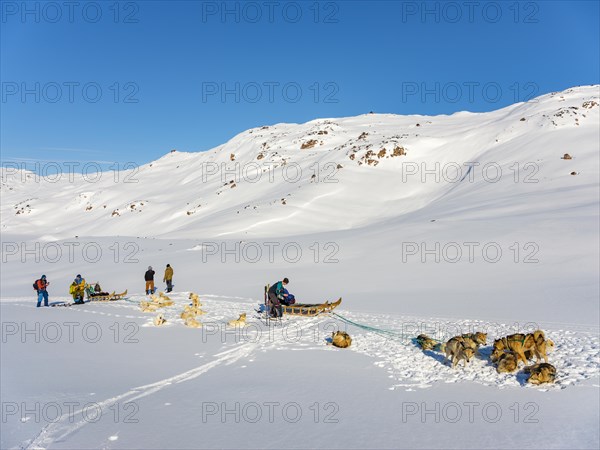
x=60, y=429
x=576, y=356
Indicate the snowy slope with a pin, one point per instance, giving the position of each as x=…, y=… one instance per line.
x=365, y=236
x=190, y=194
x=403, y=248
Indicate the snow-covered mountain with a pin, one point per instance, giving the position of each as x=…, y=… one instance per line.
x=391, y=212
x=439, y=225
x=333, y=174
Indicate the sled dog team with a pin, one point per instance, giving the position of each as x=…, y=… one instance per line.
x=506, y=352
x=189, y=313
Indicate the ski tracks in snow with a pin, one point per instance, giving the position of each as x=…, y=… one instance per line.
x=64, y=426
x=576, y=355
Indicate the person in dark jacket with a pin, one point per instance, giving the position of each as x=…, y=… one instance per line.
x=276, y=296
x=149, y=277
x=41, y=290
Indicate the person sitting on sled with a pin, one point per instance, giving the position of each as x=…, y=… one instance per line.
x=97, y=291
x=77, y=289
x=276, y=296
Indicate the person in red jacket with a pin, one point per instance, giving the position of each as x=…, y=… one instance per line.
x=42, y=292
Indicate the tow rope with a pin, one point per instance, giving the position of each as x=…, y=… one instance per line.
x=380, y=331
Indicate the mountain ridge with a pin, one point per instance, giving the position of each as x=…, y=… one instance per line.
x=325, y=174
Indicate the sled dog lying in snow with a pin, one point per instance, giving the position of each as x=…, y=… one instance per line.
x=534, y=343
x=192, y=323
x=241, y=321
x=458, y=348
x=159, y=320
x=161, y=301
x=341, y=339
x=190, y=311
x=148, y=307
x=506, y=362
x=541, y=373
x=425, y=342
x=193, y=309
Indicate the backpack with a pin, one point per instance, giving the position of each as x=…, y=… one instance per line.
x=35, y=284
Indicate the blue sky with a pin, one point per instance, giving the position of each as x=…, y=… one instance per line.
x=129, y=83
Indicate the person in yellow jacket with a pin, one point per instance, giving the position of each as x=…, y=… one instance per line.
x=168, y=278
x=77, y=289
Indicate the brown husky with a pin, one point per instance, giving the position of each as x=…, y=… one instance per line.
x=458, y=349
x=474, y=340
x=541, y=373
x=507, y=362
x=341, y=339
x=425, y=342
x=195, y=300
x=478, y=337
x=520, y=343
x=241, y=321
